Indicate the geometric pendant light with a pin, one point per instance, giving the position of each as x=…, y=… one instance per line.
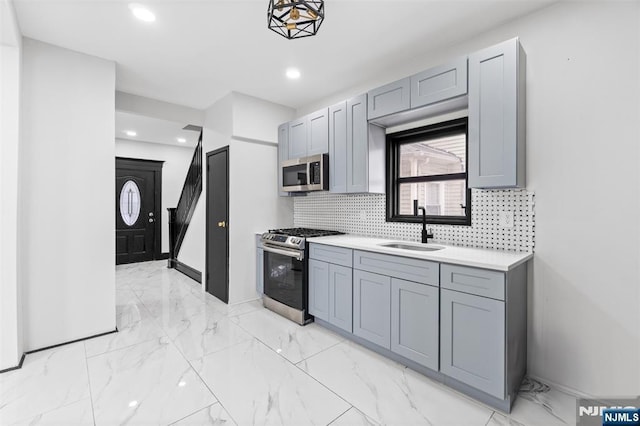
x=295, y=18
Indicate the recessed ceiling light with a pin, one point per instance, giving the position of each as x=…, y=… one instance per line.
x=181, y=140
x=293, y=73
x=141, y=12
x=130, y=133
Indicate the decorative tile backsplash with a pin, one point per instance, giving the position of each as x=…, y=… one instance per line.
x=364, y=214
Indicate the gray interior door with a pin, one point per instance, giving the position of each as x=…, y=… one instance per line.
x=217, y=230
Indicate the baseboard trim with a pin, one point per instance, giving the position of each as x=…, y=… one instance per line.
x=566, y=389
x=163, y=256
x=192, y=273
x=55, y=346
x=72, y=341
x=17, y=367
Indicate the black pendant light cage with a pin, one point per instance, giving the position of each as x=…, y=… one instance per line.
x=295, y=18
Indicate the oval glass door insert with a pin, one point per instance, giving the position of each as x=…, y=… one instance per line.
x=130, y=202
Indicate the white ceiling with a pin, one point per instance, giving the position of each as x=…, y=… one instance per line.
x=199, y=50
x=153, y=130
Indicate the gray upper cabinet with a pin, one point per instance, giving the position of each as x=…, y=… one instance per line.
x=341, y=297
x=365, y=150
x=497, y=116
x=356, y=149
x=439, y=83
x=319, y=289
x=318, y=132
x=298, y=138
x=338, y=148
x=390, y=98
x=372, y=307
x=415, y=322
x=472, y=341
x=283, y=153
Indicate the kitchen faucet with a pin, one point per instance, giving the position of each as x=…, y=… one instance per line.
x=425, y=235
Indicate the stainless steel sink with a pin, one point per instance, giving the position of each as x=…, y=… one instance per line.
x=406, y=246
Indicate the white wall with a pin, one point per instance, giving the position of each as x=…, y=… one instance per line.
x=10, y=83
x=158, y=109
x=583, y=153
x=67, y=175
x=249, y=126
x=174, y=171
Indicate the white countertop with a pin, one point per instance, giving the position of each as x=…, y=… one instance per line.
x=480, y=258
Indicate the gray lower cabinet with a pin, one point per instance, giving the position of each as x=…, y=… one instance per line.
x=260, y=271
x=372, y=307
x=497, y=116
x=389, y=99
x=283, y=153
x=439, y=83
x=259, y=267
x=331, y=285
x=415, y=322
x=472, y=341
x=341, y=297
x=319, y=289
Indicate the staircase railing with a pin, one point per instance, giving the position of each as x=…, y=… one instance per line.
x=180, y=216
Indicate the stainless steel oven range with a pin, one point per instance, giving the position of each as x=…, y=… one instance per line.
x=285, y=271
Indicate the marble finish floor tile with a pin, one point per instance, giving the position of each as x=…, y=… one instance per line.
x=47, y=380
x=78, y=413
x=205, y=333
x=214, y=415
x=353, y=417
x=165, y=303
x=135, y=325
x=148, y=383
x=538, y=404
x=388, y=392
x=287, y=338
x=237, y=309
x=256, y=386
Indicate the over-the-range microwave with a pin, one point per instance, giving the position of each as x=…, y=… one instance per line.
x=305, y=174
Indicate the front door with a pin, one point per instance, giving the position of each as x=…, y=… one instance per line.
x=137, y=209
x=217, y=281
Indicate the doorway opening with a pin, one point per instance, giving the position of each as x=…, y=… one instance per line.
x=138, y=198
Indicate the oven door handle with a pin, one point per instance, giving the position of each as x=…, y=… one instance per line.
x=297, y=254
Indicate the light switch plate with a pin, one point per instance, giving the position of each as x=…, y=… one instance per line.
x=506, y=219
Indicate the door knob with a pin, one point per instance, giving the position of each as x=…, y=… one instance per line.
x=222, y=224
x=150, y=220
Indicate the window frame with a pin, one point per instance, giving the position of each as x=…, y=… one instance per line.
x=433, y=131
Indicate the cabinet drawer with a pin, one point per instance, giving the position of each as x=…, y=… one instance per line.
x=336, y=255
x=439, y=83
x=390, y=98
x=420, y=271
x=473, y=281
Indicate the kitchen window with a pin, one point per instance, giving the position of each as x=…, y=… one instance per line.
x=429, y=164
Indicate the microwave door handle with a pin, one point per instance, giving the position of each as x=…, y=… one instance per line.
x=309, y=173
x=298, y=255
